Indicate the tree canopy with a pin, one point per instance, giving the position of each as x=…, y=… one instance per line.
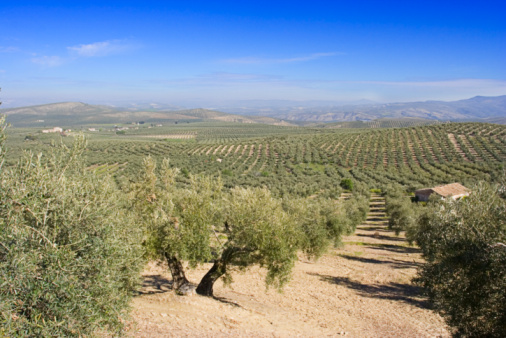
x=465, y=276
x=69, y=254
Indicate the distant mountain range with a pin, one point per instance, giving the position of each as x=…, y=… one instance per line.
x=478, y=108
x=77, y=113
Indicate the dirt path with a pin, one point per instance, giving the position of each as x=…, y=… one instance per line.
x=360, y=290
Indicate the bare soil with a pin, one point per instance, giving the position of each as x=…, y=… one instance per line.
x=360, y=290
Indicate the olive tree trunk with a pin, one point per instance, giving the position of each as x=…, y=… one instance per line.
x=205, y=287
x=219, y=268
x=177, y=271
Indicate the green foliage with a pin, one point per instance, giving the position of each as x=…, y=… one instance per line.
x=402, y=213
x=465, y=276
x=258, y=231
x=30, y=137
x=322, y=222
x=227, y=172
x=69, y=254
x=347, y=183
x=356, y=209
x=177, y=221
x=3, y=138
x=185, y=173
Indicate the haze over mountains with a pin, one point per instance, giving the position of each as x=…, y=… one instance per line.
x=479, y=108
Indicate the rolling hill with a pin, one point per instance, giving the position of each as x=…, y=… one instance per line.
x=479, y=108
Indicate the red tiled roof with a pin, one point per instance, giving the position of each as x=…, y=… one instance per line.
x=448, y=190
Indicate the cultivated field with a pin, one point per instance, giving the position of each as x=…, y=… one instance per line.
x=302, y=161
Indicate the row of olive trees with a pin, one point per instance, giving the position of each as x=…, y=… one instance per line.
x=464, y=244
x=233, y=228
x=402, y=213
x=70, y=255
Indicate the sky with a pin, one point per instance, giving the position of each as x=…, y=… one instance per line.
x=203, y=52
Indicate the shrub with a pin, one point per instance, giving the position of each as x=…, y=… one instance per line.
x=227, y=172
x=69, y=256
x=347, y=183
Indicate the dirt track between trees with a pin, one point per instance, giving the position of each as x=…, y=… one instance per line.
x=360, y=290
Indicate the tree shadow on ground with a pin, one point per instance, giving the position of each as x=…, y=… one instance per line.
x=155, y=284
x=376, y=218
x=379, y=228
x=395, y=263
x=383, y=237
x=226, y=301
x=393, y=248
x=393, y=291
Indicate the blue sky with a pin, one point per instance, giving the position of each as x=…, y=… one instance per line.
x=209, y=51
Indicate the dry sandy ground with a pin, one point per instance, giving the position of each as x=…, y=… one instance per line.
x=360, y=290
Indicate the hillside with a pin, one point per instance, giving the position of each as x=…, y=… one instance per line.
x=479, y=108
x=77, y=113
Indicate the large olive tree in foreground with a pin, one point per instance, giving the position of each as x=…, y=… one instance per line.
x=256, y=230
x=464, y=243
x=69, y=256
x=177, y=222
x=233, y=229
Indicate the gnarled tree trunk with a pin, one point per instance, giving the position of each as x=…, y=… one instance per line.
x=218, y=269
x=177, y=271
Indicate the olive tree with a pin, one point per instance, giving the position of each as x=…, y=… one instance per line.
x=234, y=228
x=69, y=255
x=321, y=222
x=465, y=275
x=177, y=222
x=402, y=213
x=347, y=184
x=256, y=230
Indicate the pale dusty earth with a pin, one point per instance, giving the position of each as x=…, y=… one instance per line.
x=360, y=290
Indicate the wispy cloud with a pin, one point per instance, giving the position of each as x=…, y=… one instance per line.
x=96, y=49
x=48, y=61
x=220, y=79
x=102, y=48
x=8, y=49
x=257, y=60
x=455, y=83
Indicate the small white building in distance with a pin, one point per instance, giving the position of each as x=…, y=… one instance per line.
x=453, y=190
x=54, y=130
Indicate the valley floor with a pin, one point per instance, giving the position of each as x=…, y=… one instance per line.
x=360, y=290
